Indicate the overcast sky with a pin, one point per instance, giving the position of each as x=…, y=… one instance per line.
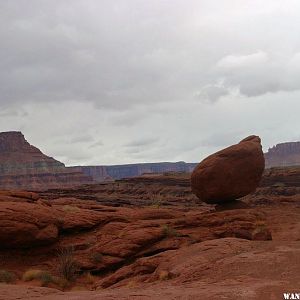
x=123, y=81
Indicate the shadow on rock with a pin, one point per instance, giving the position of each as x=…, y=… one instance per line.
x=235, y=204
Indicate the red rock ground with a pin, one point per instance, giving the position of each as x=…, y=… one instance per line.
x=249, y=250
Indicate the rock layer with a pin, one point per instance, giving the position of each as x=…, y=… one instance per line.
x=26, y=225
x=230, y=173
x=23, y=166
x=284, y=154
x=159, y=190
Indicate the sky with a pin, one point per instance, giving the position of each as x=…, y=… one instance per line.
x=112, y=82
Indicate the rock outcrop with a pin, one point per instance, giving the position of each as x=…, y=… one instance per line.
x=25, y=225
x=230, y=173
x=282, y=155
x=23, y=166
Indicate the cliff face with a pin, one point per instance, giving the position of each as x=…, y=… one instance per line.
x=284, y=154
x=23, y=166
x=104, y=173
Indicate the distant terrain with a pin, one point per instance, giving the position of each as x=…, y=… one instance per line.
x=282, y=155
x=24, y=166
x=150, y=238
x=104, y=173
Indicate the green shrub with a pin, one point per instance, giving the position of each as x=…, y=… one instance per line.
x=156, y=199
x=43, y=276
x=168, y=231
x=6, y=276
x=67, y=266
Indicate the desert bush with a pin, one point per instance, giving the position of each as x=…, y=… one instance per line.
x=31, y=275
x=6, y=276
x=90, y=278
x=96, y=257
x=78, y=288
x=46, y=278
x=43, y=276
x=164, y=275
x=279, y=184
x=70, y=208
x=261, y=231
x=156, y=199
x=61, y=282
x=67, y=266
x=168, y=231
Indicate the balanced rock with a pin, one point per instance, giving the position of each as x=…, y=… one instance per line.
x=231, y=173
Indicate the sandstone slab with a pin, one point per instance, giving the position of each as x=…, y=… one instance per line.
x=25, y=225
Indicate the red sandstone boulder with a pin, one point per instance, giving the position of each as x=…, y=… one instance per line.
x=230, y=173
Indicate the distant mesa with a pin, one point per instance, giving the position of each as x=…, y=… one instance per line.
x=283, y=155
x=231, y=173
x=23, y=166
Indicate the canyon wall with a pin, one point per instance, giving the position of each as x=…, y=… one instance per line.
x=282, y=155
x=23, y=166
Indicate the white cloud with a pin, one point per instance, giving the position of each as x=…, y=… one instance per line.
x=242, y=61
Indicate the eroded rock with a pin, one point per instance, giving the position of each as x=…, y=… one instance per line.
x=230, y=173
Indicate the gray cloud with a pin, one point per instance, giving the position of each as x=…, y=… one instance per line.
x=97, y=144
x=91, y=82
x=260, y=73
x=212, y=93
x=222, y=139
x=82, y=139
x=142, y=142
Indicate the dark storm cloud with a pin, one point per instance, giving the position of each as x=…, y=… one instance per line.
x=118, y=53
x=108, y=53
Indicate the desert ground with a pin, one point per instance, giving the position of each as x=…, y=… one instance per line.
x=159, y=242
